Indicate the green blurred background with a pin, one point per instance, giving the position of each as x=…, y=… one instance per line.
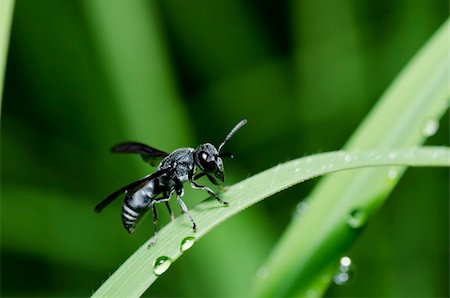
x=83, y=75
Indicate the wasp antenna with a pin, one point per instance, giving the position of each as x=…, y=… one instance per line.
x=232, y=132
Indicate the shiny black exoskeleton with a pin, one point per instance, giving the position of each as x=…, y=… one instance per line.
x=184, y=164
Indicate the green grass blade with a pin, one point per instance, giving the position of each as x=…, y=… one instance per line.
x=6, y=13
x=132, y=50
x=405, y=116
x=130, y=41
x=137, y=273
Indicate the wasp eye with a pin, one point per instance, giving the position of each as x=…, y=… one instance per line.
x=207, y=162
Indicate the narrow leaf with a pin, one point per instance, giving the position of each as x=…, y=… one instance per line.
x=6, y=12
x=405, y=116
x=139, y=272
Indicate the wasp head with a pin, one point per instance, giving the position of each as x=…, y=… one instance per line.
x=208, y=160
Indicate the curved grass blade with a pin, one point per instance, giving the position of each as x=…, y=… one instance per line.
x=138, y=272
x=133, y=52
x=405, y=116
x=6, y=12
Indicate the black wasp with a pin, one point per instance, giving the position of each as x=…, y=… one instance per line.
x=184, y=164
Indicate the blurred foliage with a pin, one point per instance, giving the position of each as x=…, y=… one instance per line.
x=6, y=9
x=144, y=267
x=83, y=75
x=340, y=205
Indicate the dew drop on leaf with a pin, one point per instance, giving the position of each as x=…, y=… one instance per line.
x=392, y=155
x=345, y=262
x=311, y=293
x=161, y=265
x=430, y=128
x=345, y=273
x=187, y=243
x=392, y=174
x=341, y=278
x=262, y=272
x=301, y=208
x=357, y=218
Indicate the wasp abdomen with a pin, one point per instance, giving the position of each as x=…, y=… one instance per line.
x=136, y=205
x=130, y=217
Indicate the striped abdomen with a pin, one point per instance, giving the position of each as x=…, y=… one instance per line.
x=136, y=205
x=130, y=217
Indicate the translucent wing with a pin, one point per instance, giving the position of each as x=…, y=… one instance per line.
x=150, y=155
x=100, y=206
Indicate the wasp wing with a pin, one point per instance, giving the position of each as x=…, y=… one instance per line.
x=100, y=206
x=149, y=154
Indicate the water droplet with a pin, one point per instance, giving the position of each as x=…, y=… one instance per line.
x=345, y=273
x=187, y=243
x=392, y=155
x=161, y=264
x=347, y=158
x=301, y=208
x=262, y=272
x=392, y=174
x=356, y=219
x=311, y=293
x=345, y=262
x=277, y=168
x=409, y=154
x=341, y=278
x=430, y=128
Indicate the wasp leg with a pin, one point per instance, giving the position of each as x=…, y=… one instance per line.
x=214, y=181
x=155, y=226
x=209, y=191
x=164, y=199
x=210, y=178
x=172, y=217
x=198, y=176
x=180, y=193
